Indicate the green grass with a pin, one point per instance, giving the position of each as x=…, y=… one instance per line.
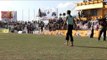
x=45, y=47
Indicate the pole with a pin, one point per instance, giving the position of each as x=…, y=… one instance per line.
x=28, y=14
x=22, y=14
x=57, y=12
x=34, y=14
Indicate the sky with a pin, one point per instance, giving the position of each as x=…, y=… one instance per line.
x=30, y=7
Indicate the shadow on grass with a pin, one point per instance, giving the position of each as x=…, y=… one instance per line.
x=92, y=47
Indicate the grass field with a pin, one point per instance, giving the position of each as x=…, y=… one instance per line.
x=42, y=47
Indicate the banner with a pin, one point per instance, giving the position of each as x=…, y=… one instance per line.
x=6, y=14
x=4, y=30
x=9, y=15
x=81, y=33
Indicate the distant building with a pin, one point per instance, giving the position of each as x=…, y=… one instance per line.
x=91, y=9
x=9, y=16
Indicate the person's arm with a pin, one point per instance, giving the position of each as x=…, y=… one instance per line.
x=74, y=22
x=66, y=18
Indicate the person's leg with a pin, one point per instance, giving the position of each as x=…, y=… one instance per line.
x=92, y=33
x=104, y=35
x=28, y=31
x=100, y=33
x=42, y=29
x=71, y=36
x=67, y=38
x=67, y=35
x=71, y=39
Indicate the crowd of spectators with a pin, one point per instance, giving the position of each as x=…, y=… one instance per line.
x=86, y=25
x=53, y=24
x=25, y=27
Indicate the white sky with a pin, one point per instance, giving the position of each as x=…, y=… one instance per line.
x=32, y=5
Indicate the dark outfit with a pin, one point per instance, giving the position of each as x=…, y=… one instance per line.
x=92, y=32
x=70, y=28
x=69, y=33
x=41, y=26
x=103, y=23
